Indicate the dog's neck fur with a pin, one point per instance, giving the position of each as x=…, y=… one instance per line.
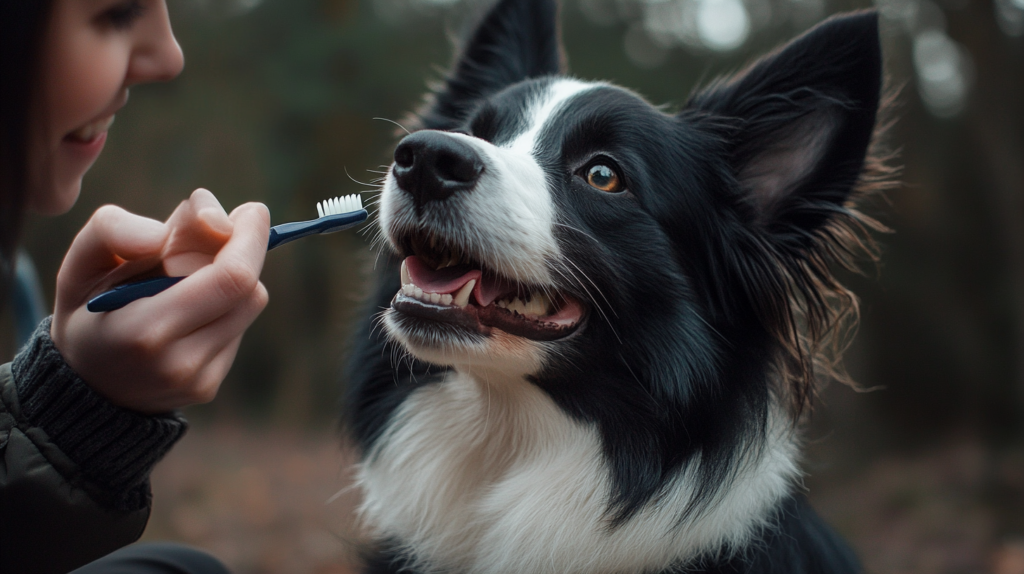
x=483, y=472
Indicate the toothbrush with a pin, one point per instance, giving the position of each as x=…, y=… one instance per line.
x=335, y=215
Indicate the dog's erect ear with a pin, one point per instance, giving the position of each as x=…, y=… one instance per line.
x=516, y=40
x=798, y=124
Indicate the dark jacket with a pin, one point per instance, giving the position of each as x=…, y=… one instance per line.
x=74, y=468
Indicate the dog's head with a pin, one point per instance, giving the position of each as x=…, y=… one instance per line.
x=547, y=220
x=664, y=277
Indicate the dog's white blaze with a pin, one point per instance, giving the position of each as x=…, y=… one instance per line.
x=545, y=106
x=491, y=476
x=514, y=214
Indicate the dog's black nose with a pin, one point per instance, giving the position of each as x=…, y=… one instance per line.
x=432, y=165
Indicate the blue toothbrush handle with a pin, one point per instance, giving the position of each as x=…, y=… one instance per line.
x=287, y=232
x=279, y=235
x=124, y=294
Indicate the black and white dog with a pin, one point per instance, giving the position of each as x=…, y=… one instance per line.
x=602, y=322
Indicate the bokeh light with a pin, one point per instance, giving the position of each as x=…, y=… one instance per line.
x=723, y=24
x=943, y=76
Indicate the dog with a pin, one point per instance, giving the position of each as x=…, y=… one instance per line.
x=600, y=323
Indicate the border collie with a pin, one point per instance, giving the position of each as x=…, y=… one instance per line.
x=601, y=322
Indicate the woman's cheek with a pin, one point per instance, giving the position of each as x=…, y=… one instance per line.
x=85, y=83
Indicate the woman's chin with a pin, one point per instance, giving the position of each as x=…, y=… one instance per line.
x=56, y=196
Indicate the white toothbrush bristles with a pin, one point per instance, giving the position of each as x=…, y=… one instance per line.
x=340, y=205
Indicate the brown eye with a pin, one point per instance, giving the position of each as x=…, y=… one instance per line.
x=604, y=178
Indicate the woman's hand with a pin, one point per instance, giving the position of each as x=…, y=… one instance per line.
x=174, y=349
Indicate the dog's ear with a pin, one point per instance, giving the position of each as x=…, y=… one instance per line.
x=795, y=130
x=797, y=125
x=516, y=40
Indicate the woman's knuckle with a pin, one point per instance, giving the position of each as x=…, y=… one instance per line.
x=237, y=279
x=151, y=341
x=262, y=296
x=204, y=395
x=181, y=374
x=106, y=215
x=198, y=393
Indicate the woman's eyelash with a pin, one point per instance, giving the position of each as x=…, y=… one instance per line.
x=125, y=14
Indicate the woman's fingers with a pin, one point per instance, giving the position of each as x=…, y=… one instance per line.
x=229, y=280
x=110, y=238
x=190, y=370
x=199, y=225
x=209, y=343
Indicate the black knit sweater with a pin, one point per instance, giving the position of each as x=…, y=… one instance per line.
x=115, y=448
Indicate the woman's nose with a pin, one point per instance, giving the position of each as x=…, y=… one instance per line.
x=156, y=56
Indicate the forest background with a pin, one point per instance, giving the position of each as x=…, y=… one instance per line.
x=281, y=102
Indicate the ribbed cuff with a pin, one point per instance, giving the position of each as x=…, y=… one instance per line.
x=115, y=448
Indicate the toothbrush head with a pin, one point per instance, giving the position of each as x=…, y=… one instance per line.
x=339, y=205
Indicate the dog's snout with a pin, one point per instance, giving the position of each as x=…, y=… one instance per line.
x=432, y=166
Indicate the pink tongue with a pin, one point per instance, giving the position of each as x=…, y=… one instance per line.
x=451, y=279
x=447, y=280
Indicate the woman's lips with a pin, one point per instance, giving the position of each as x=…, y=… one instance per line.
x=91, y=132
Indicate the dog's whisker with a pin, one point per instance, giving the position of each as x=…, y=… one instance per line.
x=573, y=279
x=637, y=379
x=578, y=230
x=591, y=281
x=396, y=123
x=347, y=174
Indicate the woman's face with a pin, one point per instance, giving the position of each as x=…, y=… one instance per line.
x=93, y=51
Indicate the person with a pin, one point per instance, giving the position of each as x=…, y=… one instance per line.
x=90, y=404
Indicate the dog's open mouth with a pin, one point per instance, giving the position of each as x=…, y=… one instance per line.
x=449, y=288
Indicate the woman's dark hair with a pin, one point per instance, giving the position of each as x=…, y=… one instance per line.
x=22, y=27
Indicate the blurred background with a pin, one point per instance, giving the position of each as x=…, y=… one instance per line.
x=289, y=102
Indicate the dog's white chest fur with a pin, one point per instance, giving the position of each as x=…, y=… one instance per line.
x=493, y=477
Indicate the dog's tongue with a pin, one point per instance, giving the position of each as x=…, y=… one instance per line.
x=451, y=279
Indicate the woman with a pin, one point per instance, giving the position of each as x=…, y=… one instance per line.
x=88, y=405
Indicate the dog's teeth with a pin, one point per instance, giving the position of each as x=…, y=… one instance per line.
x=548, y=307
x=462, y=297
x=418, y=293
x=516, y=306
x=543, y=305
x=408, y=289
x=435, y=298
x=530, y=307
x=446, y=299
x=406, y=279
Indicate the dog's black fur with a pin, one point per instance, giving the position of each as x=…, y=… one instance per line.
x=711, y=293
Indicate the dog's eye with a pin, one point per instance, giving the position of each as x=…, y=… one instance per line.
x=602, y=177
